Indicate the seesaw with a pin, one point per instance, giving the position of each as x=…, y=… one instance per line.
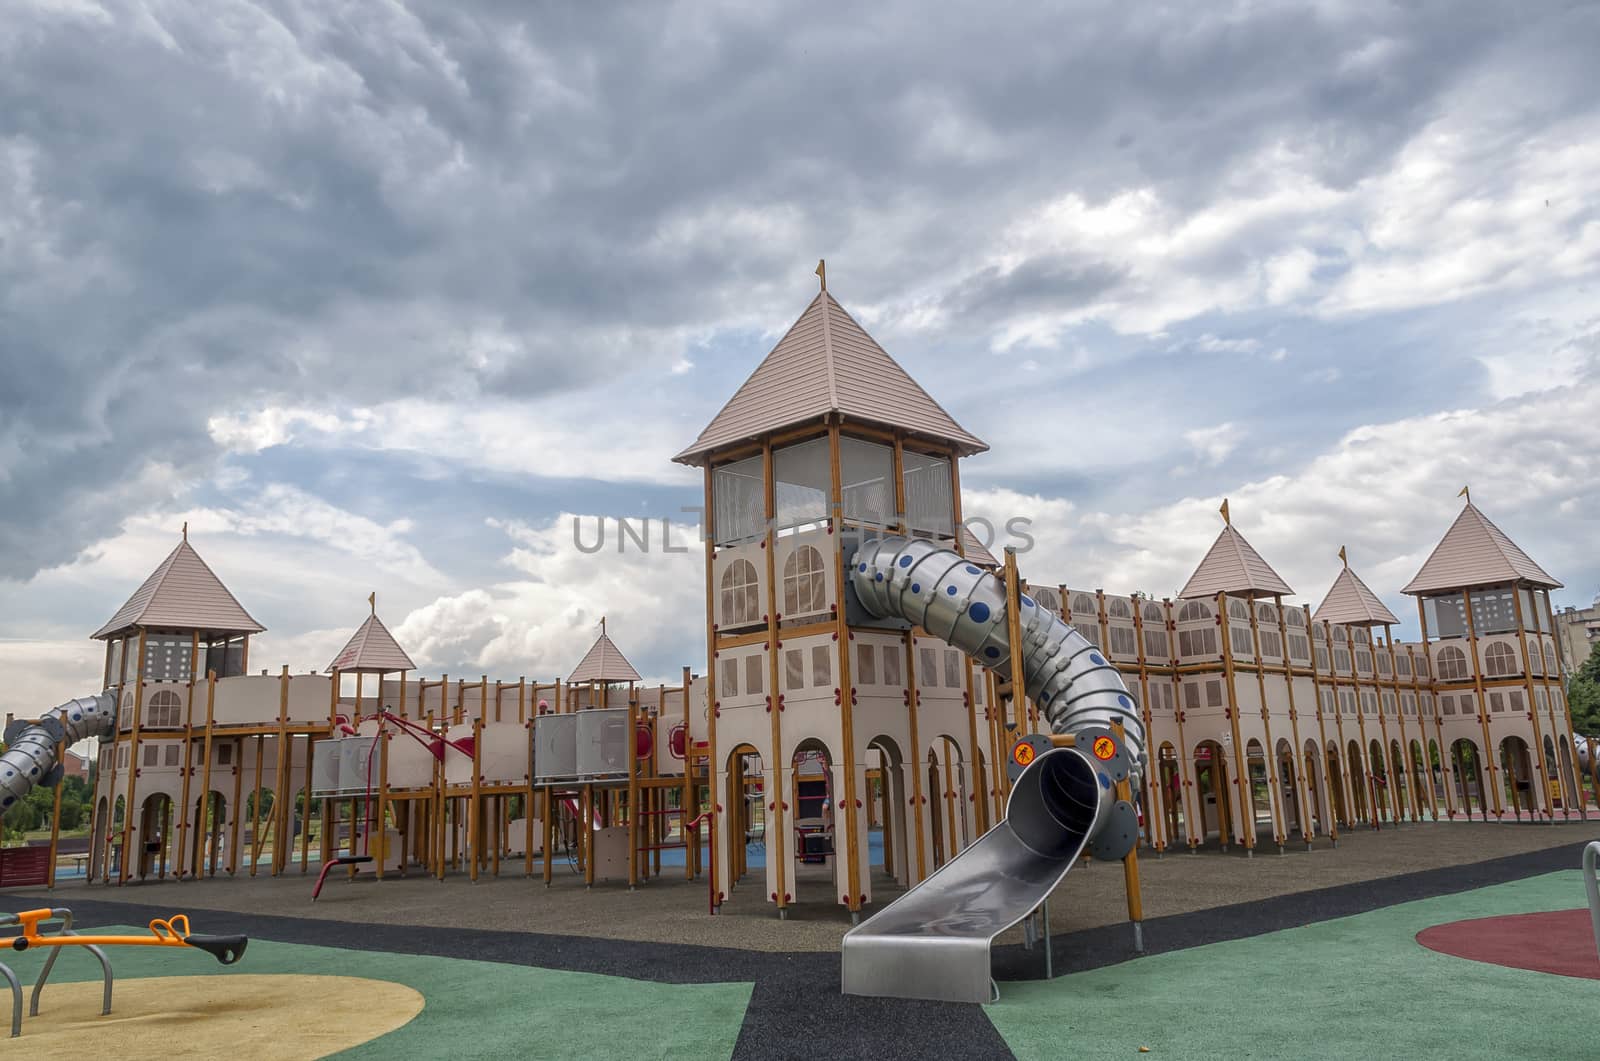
x=164, y=932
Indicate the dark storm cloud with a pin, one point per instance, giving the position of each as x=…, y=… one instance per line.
x=228, y=206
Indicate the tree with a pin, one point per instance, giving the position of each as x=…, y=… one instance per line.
x=1583, y=696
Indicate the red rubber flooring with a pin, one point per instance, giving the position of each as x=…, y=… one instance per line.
x=1556, y=941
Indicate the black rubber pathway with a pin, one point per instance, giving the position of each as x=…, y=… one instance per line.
x=796, y=1008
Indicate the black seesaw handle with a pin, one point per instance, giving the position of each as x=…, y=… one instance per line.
x=226, y=949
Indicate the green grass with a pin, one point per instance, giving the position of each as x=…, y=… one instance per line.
x=1356, y=987
x=473, y=1009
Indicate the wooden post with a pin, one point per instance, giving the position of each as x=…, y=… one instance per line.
x=255, y=827
x=205, y=778
x=850, y=805
x=238, y=806
x=713, y=763
x=1330, y=811
x=475, y=801
x=55, y=817
x=779, y=842
x=1483, y=700
x=188, y=760
x=633, y=793
x=281, y=780
x=1543, y=785
x=133, y=765
x=1241, y=778
x=1269, y=751
x=686, y=800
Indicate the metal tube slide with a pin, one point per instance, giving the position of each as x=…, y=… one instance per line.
x=933, y=942
x=937, y=589
x=30, y=756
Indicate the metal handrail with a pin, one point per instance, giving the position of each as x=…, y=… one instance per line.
x=1591, y=881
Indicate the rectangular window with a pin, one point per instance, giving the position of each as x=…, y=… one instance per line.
x=1166, y=696
x=122, y=757
x=794, y=673
x=803, y=478
x=1388, y=704
x=821, y=667
x=1213, y=693
x=224, y=755
x=754, y=680
x=867, y=473
x=1191, y=695
x=152, y=754
x=1090, y=632
x=952, y=670
x=739, y=499
x=1467, y=704
x=929, y=507
x=1341, y=660
x=1322, y=659
x=1271, y=644
x=174, y=754
x=1155, y=644
x=1402, y=665
x=1363, y=661
x=891, y=665
x=1123, y=642
x=1497, y=702
x=1383, y=663
x=866, y=665
x=927, y=672
x=1514, y=699
x=1493, y=611
x=1240, y=641
x=730, y=678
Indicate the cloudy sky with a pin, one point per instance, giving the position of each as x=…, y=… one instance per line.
x=380, y=296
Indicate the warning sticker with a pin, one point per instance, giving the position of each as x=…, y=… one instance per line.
x=1023, y=754
x=1104, y=748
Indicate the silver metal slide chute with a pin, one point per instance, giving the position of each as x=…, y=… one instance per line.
x=30, y=756
x=933, y=942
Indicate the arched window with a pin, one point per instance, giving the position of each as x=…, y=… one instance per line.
x=1082, y=604
x=1152, y=614
x=804, y=583
x=1266, y=613
x=1194, y=610
x=1500, y=659
x=164, y=709
x=1452, y=664
x=1118, y=608
x=1296, y=617
x=1239, y=610
x=741, y=601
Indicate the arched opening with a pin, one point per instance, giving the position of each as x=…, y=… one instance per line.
x=888, y=791
x=947, y=786
x=1260, y=810
x=1288, y=789
x=1169, y=779
x=811, y=820
x=1400, y=784
x=1436, y=778
x=745, y=803
x=1517, y=777
x=98, y=833
x=152, y=835
x=114, y=837
x=1358, y=782
x=1382, y=798
x=1571, y=791
x=1337, y=788
x=1469, y=777
x=1215, y=810
x=1312, y=794
x=1421, y=785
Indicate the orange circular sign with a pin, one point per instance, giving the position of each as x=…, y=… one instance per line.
x=1104, y=748
x=1023, y=753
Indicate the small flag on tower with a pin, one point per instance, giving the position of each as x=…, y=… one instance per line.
x=1224, y=510
x=1466, y=492
x=822, y=272
x=1345, y=559
x=372, y=601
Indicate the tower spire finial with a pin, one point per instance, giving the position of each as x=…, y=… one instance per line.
x=1343, y=557
x=1227, y=519
x=185, y=530
x=822, y=272
x=372, y=601
x=1466, y=492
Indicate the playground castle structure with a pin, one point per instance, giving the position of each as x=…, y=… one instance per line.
x=814, y=722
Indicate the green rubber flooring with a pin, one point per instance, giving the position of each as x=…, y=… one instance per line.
x=1354, y=987
x=472, y=1009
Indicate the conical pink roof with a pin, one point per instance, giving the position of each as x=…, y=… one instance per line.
x=1350, y=602
x=1474, y=552
x=1232, y=566
x=827, y=363
x=604, y=663
x=183, y=593
x=373, y=649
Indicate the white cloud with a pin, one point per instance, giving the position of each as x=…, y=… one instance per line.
x=1213, y=444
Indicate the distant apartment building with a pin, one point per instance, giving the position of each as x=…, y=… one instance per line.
x=1579, y=632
